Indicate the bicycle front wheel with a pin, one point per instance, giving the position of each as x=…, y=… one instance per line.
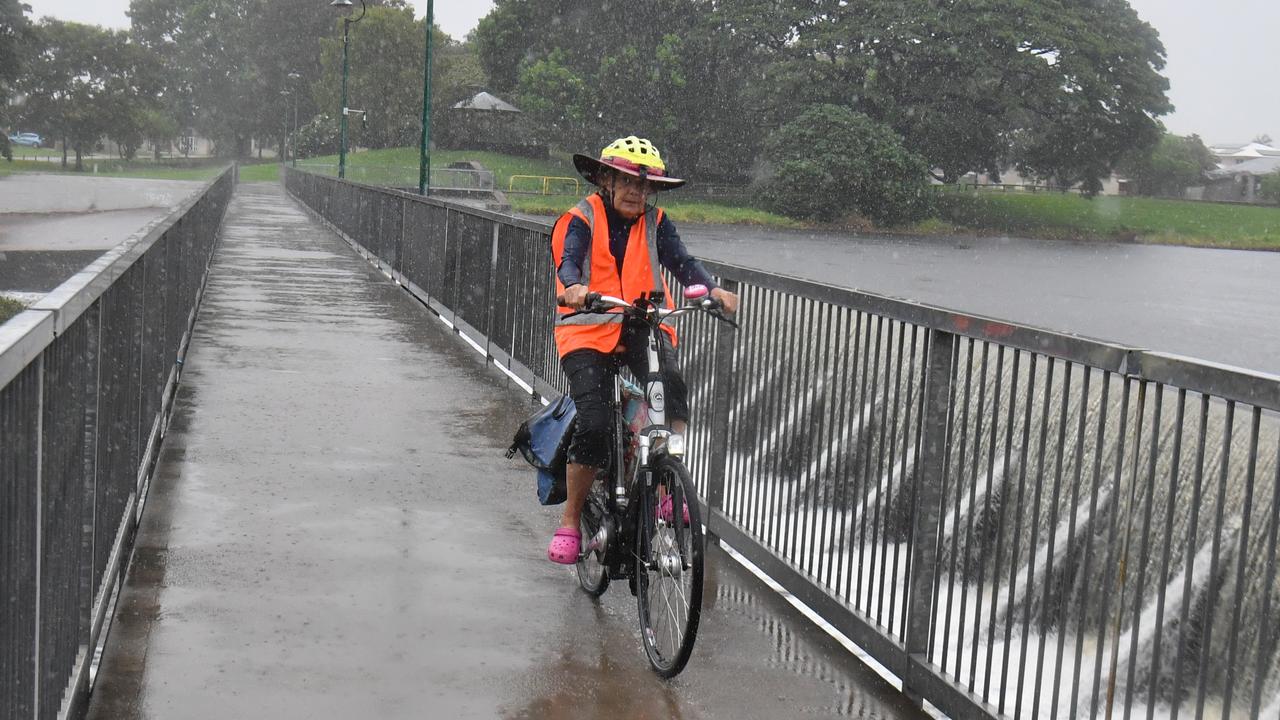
x=669, y=569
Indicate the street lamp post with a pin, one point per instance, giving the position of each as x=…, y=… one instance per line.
x=293, y=138
x=284, y=146
x=347, y=22
x=424, y=144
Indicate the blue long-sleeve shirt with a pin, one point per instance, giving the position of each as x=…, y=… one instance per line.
x=671, y=251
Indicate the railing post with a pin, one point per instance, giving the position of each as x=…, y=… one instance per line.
x=488, y=293
x=926, y=510
x=721, y=400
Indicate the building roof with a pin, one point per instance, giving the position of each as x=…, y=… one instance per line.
x=485, y=101
x=1245, y=150
x=1257, y=166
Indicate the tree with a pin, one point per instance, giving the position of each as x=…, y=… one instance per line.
x=831, y=161
x=1269, y=187
x=15, y=44
x=1168, y=169
x=386, y=54
x=84, y=83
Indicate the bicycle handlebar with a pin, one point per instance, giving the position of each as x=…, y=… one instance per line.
x=599, y=304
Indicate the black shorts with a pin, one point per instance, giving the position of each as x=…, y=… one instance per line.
x=591, y=374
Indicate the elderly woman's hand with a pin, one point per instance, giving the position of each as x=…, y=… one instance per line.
x=727, y=300
x=575, y=296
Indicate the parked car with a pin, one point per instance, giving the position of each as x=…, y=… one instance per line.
x=27, y=139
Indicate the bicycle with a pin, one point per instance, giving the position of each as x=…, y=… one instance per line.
x=641, y=521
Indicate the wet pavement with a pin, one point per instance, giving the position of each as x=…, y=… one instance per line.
x=333, y=532
x=1218, y=305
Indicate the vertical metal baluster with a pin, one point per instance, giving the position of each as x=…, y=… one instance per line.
x=1005, y=491
x=944, y=487
x=981, y=576
x=867, y=466
x=1087, y=372
x=1146, y=490
x=1206, y=644
x=850, y=474
x=837, y=420
x=1033, y=546
x=1184, y=616
x=1267, y=632
x=763, y=417
x=866, y=407
x=926, y=505
x=960, y=435
x=1055, y=513
x=878, y=561
x=978, y=416
x=892, y=489
x=1163, y=577
x=823, y=438
x=782, y=392
x=1016, y=550
x=1123, y=566
x=795, y=448
x=1112, y=556
x=748, y=349
x=900, y=581
x=788, y=399
x=1242, y=557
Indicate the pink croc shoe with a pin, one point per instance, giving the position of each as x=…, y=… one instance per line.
x=664, y=510
x=565, y=545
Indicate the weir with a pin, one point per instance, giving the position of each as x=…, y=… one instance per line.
x=1016, y=522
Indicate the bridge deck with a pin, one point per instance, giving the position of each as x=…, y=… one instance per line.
x=333, y=532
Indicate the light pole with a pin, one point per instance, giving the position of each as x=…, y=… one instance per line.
x=293, y=138
x=284, y=147
x=345, y=7
x=424, y=144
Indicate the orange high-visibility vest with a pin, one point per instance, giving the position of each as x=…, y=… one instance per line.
x=641, y=273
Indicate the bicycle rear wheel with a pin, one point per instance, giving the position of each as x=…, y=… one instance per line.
x=593, y=575
x=669, y=570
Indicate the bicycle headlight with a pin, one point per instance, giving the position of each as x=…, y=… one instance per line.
x=675, y=445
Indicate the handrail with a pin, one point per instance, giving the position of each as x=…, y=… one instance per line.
x=949, y=490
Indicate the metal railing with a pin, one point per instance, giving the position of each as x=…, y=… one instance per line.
x=544, y=184
x=87, y=376
x=1016, y=522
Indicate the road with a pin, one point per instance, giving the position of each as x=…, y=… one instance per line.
x=1218, y=305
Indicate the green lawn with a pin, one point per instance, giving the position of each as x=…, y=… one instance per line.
x=399, y=166
x=1068, y=216
x=260, y=172
x=116, y=168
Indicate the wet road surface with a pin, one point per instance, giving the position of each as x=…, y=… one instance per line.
x=51, y=226
x=332, y=532
x=1219, y=305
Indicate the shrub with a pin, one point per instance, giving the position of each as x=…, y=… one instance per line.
x=831, y=161
x=1269, y=188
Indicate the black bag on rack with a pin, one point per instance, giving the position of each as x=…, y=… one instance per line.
x=543, y=440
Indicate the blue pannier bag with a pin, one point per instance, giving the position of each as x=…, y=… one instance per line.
x=543, y=440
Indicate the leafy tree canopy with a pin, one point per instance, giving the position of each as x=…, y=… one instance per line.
x=1174, y=164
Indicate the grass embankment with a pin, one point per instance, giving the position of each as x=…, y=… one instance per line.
x=1072, y=217
x=522, y=179
x=116, y=168
x=8, y=308
x=1048, y=215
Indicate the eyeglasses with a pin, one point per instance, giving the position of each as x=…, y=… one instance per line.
x=632, y=182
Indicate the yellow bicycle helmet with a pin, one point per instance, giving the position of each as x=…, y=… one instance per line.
x=632, y=155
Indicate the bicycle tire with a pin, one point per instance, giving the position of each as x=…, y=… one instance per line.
x=669, y=571
x=593, y=574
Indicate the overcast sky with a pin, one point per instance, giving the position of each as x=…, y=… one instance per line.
x=1223, y=62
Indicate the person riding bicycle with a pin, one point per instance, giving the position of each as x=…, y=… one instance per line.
x=611, y=243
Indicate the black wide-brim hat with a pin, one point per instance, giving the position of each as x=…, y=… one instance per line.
x=590, y=168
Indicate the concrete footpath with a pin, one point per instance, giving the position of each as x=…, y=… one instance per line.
x=333, y=532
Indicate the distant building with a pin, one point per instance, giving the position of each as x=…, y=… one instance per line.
x=1234, y=154
x=1240, y=181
